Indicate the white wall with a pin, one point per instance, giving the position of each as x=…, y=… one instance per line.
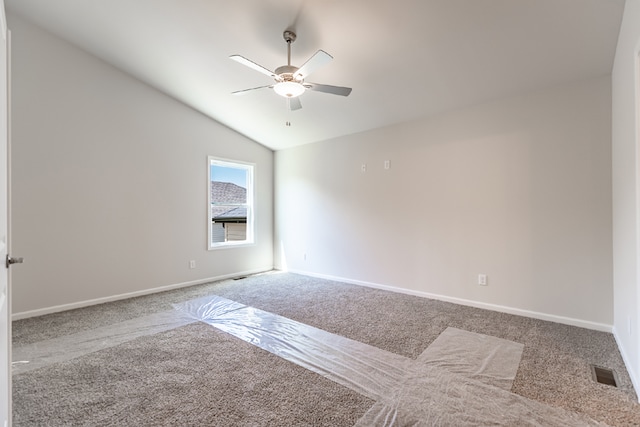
x=518, y=189
x=626, y=188
x=109, y=181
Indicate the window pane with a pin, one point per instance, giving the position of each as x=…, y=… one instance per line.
x=234, y=178
x=230, y=210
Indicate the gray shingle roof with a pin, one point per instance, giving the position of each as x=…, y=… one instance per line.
x=224, y=213
x=225, y=194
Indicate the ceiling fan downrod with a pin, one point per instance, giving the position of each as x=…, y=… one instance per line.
x=289, y=37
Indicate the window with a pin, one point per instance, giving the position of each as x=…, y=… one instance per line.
x=230, y=203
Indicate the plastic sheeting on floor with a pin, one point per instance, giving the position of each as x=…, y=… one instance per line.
x=462, y=378
x=43, y=353
x=361, y=367
x=479, y=357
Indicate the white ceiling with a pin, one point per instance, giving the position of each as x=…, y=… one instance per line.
x=404, y=59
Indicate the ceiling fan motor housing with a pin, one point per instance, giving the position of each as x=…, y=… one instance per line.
x=288, y=85
x=286, y=73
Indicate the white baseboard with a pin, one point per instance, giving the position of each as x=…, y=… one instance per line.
x=627, y=362
x=493, y=307
x=80, y=304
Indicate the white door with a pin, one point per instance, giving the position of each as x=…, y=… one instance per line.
x=5, y=305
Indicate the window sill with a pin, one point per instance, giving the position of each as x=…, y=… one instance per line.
x=230, y=246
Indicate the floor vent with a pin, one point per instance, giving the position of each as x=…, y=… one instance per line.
x=604, y=375
x=240, y=278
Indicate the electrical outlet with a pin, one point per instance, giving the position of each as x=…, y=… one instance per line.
x=387, y=164
x=304, y=257
x=363, y=168
x=482, y=279
x=192, y=263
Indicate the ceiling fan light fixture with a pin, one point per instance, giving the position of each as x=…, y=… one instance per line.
x=289, y=89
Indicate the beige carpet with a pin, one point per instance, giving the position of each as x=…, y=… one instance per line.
x=196, y=375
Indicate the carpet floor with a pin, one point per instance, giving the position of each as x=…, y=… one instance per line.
x=198, y=376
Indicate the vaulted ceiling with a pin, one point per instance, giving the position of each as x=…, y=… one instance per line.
x=404, y=59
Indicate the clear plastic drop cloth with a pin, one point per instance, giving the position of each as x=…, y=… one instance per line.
x=368, y=370
x=43, y=353
x=461, y=379
x=479, y=357
x=433, y=396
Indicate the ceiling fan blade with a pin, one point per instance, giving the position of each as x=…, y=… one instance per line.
x=294, y=104
x=249, y=63
x=244, y=91
x=318, y=59
x=334, y=90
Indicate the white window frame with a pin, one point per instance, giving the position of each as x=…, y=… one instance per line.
x=250, y=168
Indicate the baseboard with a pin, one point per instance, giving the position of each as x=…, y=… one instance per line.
x=493, y=307
x=87, y=303
x=627, y=362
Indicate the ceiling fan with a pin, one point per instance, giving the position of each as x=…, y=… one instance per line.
x=290, y=80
